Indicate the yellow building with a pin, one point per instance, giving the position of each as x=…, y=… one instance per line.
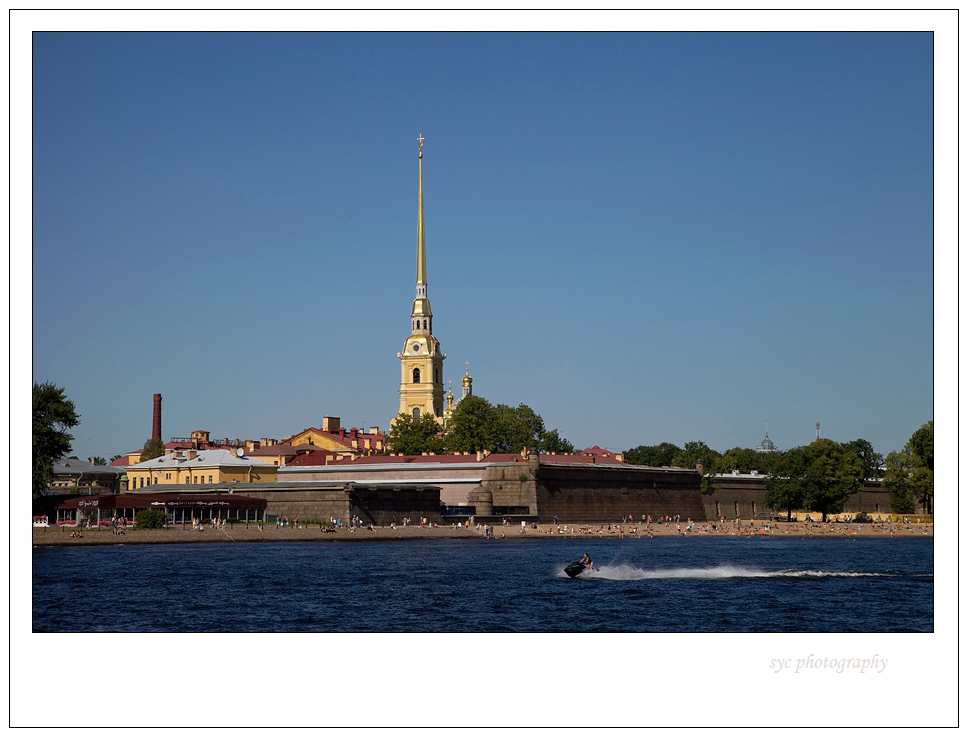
x=199, y=467
x=421, y=361
x=333, y=437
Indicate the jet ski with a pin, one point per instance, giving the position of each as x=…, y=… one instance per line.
x=573, y=569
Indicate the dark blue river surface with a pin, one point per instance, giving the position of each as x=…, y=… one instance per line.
x=642, y=585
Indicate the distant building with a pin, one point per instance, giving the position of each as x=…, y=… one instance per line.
x=199, y=467
x=333, y=437
x=601, y=454
x=85, y=477
x=201, y=440
x=767, y=445
x=287, y=454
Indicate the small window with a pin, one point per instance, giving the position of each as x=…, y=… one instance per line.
x=416, y=413
x=416, y=376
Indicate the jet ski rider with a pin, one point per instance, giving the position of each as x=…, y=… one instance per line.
x=587, y=562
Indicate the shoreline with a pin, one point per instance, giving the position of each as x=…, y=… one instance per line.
x=54, y=536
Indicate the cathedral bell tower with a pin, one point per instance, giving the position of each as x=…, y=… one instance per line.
x=421, y=362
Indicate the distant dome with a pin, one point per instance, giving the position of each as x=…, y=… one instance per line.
x=766, y=446
x=466, y=381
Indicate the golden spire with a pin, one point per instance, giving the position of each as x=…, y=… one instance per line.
x=421, y=246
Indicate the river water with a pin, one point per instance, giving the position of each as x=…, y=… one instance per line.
x=640, y=585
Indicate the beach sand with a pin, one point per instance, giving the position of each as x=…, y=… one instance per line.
x=43, y=536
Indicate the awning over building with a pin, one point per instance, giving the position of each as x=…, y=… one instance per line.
x=162, y=501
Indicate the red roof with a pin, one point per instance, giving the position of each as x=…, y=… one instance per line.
x=317, y=457
x=377, y=460
x=342, y=436
x=279, y=449
x=573, y=458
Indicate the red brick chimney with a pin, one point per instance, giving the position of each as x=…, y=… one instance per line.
x=156, y=418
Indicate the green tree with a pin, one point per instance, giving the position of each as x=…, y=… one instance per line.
x=54, y=415
x=530, y=428
x=870, y=463
x=922, y=444
x=414, y=437
x=99, y=461
x=897, y=480
x=833, y=473
x=471, y=426
x=695, y=452
x=476, y=424
x=552, y=442
x=153, y=448
x=115, y=457
x=652, y=455
x=744, y=460
x=508, y=434
x=784, y=486
x=910, y=473
x=149, y=519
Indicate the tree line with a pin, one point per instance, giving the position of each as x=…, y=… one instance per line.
x=820, y=476
x=475, y=425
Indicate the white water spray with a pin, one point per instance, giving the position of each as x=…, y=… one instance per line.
x=626, y=572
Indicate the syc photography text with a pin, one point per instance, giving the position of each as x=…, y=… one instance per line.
x=875, y=664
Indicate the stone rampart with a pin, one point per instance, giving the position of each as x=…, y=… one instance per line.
x=376, y=504
x=741, y=495
x=607, y=493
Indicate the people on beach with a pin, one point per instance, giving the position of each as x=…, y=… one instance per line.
x=665, y=527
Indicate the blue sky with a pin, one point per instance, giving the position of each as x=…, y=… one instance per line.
x=645, y=237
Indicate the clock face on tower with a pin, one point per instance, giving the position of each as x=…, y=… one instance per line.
x=415, y=348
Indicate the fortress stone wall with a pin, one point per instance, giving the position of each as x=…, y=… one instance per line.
x=741, y=495
x=375, y=504
x=607, y=493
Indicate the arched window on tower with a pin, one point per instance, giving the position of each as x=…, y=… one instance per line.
x=436, y=376
x=416, y=376
x=425, y=324
x=416, y=413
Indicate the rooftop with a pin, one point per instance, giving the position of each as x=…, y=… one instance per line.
x=181, y=459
